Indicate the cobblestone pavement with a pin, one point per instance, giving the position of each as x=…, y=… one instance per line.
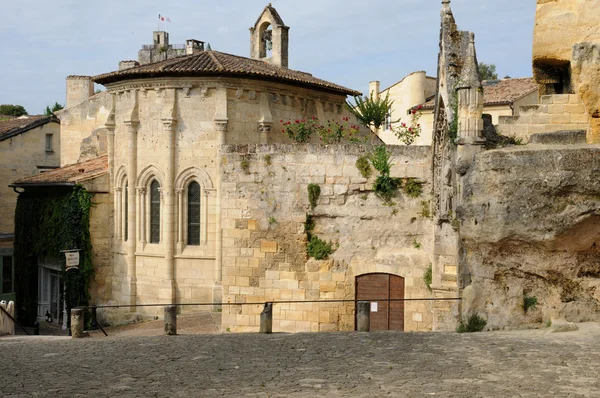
x=498, y=364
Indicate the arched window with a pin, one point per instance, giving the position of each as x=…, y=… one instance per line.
x=193, y=216
x=154, y=212
x=125, y=211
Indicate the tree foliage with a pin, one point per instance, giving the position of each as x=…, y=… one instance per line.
x=487, y=71
x=371, y=112
x=55, y=108
x=12, y=110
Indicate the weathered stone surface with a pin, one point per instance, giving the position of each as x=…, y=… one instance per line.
x=559, y=137
x=530, y=227
x=566, y=56
x=562, y=326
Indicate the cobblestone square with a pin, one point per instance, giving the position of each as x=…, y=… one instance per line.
x=498, y=364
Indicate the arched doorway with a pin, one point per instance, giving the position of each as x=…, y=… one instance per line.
x=385, y=315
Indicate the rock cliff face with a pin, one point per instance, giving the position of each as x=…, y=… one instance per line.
x=530, y=227
x=566, y=52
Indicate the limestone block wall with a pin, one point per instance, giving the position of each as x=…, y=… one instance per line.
x=195, y=159
x=100, y=223
x=555, y=112
x=265, y=205
x=22, y=156
x=82, y=135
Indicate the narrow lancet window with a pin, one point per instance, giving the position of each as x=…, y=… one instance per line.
x=193, y=213
x=155, y=212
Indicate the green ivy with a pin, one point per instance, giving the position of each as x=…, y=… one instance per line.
x=46, y=224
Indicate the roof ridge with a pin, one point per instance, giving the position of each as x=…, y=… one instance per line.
x=213, y=56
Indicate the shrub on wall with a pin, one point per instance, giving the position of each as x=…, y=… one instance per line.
x=413, y=188
x=428, y=277
x=475, y=323
x=318, y=248
x=45, y=225
x=363, y=165
x=385, y=186
x=314, y=191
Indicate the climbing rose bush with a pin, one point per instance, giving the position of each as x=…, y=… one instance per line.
x=300, y=130
x=333, y=132
x=408, y=133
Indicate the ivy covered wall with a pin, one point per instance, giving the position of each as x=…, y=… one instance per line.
x=47, y=222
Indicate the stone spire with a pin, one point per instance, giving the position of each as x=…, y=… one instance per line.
x=470, y=99
x=469, y=77
x=446, y=14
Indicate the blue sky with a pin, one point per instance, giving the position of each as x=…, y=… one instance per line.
x=349, y=42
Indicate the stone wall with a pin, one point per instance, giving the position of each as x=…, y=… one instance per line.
x=530, y=228
x=566, y=52
x=554, y=113
x=265, y=205
x=100, y=227
x=81, y=129
x=22, y=156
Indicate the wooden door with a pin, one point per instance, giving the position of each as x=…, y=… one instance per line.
x=389, y=314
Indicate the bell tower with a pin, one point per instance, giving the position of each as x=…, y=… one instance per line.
x=269, y=38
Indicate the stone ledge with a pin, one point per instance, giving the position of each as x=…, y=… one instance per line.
x=570, y=137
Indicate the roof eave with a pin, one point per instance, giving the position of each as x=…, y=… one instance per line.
x=41, y=184
x=108, y=79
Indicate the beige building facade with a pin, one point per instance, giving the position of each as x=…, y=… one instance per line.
x=505, y=97
x=29, y=145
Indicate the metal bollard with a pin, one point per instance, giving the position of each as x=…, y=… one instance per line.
x=170, y=320
x=77, y=323
x=266, y=319
x=363, y=316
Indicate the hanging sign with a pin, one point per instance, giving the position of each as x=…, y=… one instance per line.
x=72, y=257
x=373, y=306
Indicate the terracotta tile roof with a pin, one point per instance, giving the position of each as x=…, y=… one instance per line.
x=500, y=92
x=10, y=128
x=71, y=174
x=211, y=63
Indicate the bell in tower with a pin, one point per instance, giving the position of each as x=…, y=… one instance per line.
x=270, y=35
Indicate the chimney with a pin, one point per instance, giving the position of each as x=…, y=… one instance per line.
x=128, y=64
x=193, y=46
x=79, y=88
x=374, y=89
